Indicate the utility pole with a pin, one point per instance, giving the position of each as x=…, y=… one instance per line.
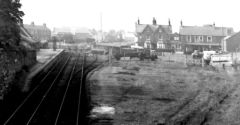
x=101, y=26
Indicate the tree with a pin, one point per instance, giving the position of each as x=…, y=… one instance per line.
x=10, y=18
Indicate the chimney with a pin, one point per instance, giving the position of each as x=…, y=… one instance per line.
x=213, y=24
x=138, y=22
x=32, y=23
x=44, y=25
x=169, y=22
x=154, y=21
x=181, y=23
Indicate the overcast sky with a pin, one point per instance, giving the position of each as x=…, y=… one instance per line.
x=122, y=14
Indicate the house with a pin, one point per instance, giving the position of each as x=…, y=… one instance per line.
x=26, y=38
x=231, y=43
x=207, y=37
x=175, y=42
x=83, y=35
x=63, y=34
x=153, y=36
x=40, y=33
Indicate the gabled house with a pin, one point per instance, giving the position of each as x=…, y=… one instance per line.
x=40, y=33
x=207, y=37
x=153, y=36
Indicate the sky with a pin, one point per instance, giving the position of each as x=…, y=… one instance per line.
x=123, y=14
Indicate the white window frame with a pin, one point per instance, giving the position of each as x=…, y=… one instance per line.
x=209, y=37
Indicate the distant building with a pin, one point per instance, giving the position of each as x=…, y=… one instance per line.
x=63, y=34
x=83, y=35
x=62, y=30
x=153, y=35
x=207, y=37
x=232, y=43
x=175, y=42
x=39, y=33
x=130, y=37
x=26, y=38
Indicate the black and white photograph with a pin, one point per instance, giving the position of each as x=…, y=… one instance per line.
x=119, y=62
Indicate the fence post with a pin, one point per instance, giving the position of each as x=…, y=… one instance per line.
x=185, y=59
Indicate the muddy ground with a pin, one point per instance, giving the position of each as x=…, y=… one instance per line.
x=163, y=92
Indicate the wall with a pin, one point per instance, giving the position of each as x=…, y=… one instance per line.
x=233, y=43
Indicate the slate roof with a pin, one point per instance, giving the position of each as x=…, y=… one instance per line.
x=204, y=30
x=140, y=28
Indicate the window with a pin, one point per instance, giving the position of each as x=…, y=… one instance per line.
x=148, y=37
x=188, y=38
x=209, y=38
x=160, y=37
x=201, y=38
x=176, y=38
x=196, y=38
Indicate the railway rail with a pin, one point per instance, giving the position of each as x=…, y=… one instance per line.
x=58, y=95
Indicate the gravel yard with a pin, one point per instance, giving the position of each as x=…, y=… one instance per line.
x=158, y=92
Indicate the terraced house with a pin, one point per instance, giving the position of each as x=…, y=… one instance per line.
x=207, y=37
x=40, y=33
x=153, y=36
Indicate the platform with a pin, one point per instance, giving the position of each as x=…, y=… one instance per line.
x=45, y=57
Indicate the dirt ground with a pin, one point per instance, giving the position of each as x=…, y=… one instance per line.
x=163, y=92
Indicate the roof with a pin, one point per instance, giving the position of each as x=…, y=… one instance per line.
x=204, y=30
x=231, y=36
x=39, y=27
x=206, y=44
x=61, y=30
x=140, y=27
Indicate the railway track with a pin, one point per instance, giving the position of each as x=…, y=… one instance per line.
x=58, y=96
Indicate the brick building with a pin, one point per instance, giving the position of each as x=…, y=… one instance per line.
x=40, y=33
x=207, y=37
x=153, y=35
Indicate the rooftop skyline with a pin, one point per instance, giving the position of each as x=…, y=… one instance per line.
x=122, y=14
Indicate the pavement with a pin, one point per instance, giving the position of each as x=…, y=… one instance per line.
x=44, y=57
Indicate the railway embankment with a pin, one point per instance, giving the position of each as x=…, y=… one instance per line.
x=157, y=92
